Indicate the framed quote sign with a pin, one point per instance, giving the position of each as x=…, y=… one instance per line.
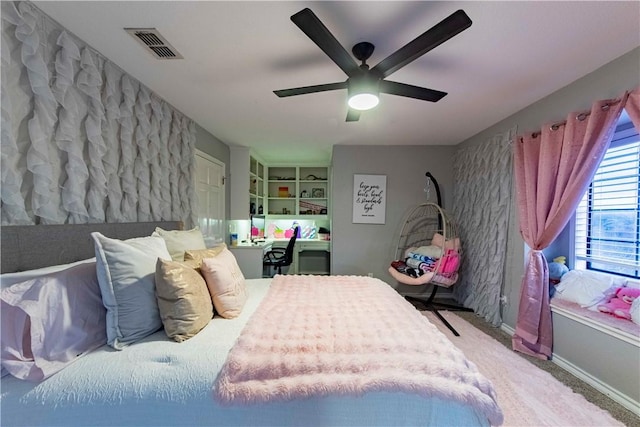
x=369, y=199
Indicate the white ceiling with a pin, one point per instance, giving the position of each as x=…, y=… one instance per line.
x=236, y=53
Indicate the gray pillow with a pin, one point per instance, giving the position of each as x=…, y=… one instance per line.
x=126, y=275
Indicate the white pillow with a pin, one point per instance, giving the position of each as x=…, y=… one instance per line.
x=179, y=241
x=633, y=283
x=586, y=288
x=126, y=274
x=8, y=279
x=49, y=321
x=635, y=311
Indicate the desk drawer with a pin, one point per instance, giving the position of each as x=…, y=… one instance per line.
x=313, y=245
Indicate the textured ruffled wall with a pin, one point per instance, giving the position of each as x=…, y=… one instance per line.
x=82, y=141
x=482, y=200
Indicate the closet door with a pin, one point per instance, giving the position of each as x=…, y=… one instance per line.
x=210, y=192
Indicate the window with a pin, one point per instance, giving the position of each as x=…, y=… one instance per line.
x=607, y=223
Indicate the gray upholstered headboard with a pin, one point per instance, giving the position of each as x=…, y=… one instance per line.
x=25, y=247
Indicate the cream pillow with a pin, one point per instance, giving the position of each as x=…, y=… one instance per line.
x=183, y=298
x=200, y=254
x=438, y=240
x=179, y=241
x=226, y=283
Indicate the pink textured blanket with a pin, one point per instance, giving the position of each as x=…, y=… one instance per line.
x=319, y=335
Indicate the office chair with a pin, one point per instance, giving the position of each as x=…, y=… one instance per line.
x=279, y=257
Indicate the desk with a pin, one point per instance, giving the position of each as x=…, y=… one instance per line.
x=310, y=256
x=249, y=257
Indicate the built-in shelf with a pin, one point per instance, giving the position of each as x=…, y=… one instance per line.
x=277, y=190
x=298, y=190
x=247, y=177
x=256, y=186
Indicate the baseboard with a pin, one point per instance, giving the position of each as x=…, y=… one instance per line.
x=594, y=382
x=508, y=329
x=603, y=388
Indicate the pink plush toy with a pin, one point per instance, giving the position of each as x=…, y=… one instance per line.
x=620, y=302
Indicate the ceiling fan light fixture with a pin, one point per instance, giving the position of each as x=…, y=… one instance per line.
x=363, y=92
x=363, y=101
x=363, y=83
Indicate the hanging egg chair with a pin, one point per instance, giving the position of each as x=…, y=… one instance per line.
x=428, y=248
x=428, y=252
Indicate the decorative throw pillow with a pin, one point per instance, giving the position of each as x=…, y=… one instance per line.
x=226, y=283
x=179, y=241
x=49, y=321
x=438, y=240
x=587, y=288
x=126, y=274
x=183, y=298
x=200, y=254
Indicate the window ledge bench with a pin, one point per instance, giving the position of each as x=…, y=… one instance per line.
x=600, y=349
x=623, y=329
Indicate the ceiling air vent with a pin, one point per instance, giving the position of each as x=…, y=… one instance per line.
x=153, y=41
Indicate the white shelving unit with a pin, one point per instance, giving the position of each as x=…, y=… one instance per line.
x=247, y=177
x=298, y=191
x=256, y=186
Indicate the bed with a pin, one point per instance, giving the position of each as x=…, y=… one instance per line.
x=158, y=381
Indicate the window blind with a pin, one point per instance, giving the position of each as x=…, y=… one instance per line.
x=607, y=225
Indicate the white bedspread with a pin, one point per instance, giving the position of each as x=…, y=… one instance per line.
x=158, y=382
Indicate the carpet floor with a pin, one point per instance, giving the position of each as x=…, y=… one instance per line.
x=531, y=392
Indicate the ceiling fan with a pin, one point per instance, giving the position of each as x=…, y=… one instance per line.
x=364, y=84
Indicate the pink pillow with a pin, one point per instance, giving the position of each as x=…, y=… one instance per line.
x=438, y=240
x=49, y=321
x=226, y=283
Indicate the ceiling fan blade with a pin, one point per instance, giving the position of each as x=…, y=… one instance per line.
x=410, y=91
x=309, y=23
x=438, y=34
x=353, y=115
x=310, y=89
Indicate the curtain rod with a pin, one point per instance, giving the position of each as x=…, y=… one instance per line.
x=580, y=116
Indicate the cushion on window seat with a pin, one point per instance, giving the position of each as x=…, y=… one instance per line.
x=602, y=318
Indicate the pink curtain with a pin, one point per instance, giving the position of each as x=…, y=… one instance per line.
x=553, y=169
x=633, y=107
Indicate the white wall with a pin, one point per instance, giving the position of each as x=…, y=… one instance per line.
x=609, y=81
x=369, y=248
x=364, y=248
x=361, y=248
x=585, y=349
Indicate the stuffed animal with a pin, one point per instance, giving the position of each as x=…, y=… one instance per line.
x=557, y=269
x=620, y=304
